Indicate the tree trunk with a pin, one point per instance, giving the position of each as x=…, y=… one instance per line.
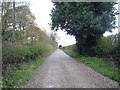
x=14, y=21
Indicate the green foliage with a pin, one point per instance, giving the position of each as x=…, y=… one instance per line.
x=22, y=21
x=22, y=75
x=29, y=40
x=24, y=45
x=87, y=21
x=17, y=52
x=13, y=52
x=103, y=66
x=105, y=45
x=19, y=61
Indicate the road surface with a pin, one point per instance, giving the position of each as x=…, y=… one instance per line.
x=62, y=71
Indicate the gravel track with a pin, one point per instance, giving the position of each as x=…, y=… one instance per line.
x=62, y=71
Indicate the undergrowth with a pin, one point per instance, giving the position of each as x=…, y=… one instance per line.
x=24, y=62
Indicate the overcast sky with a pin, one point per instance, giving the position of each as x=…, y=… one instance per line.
x=41, y=9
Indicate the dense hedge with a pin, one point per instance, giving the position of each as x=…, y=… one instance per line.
x=108, y=47
x=16, y=53
x=105, y=45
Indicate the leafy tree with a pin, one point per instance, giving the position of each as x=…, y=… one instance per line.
x=87, y=21
x=35, y=33
x=24, y=17
x=6, y=19
x=17, y=22
x=54, y=36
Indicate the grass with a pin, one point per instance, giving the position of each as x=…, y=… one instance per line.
x=100, y=65
x=23, y=75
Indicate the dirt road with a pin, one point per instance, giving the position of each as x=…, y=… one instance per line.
x=62, y=71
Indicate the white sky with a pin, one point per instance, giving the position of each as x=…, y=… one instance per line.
x=41, y=10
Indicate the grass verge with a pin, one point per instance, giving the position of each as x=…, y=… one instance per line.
x=100, y=65
x=23, y=75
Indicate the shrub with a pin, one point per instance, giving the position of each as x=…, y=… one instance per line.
x=15, y=53
x=18, y=52
x=105, y=45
